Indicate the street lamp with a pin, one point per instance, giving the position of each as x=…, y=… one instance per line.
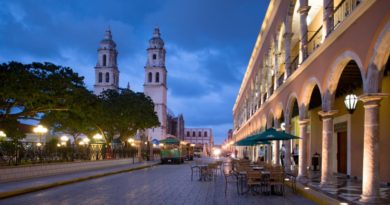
x=97, y=136
x=2, y=134
x=40, y=130
x=86, y=140
x=64, y=139
x=350, y=102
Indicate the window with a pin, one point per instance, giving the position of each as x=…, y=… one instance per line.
x=107, y=77
x=100, y=77
x=188, y=134
x=150, y=76
x=157, y=77
x=200, y=134
x=205, y=134
x=154, y=56
x=193, y=134
x=104, y=60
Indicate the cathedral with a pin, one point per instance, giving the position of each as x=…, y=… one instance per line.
x=155, y=82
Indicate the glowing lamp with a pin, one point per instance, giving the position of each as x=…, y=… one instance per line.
x=350, y=102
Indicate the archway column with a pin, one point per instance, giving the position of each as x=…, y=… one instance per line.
x=276, y=147
x=303, y=11
x=327, y=139
x=302, y=167
x=327, y=18
x=371, y=177
x=287, y=58
x=287, y=144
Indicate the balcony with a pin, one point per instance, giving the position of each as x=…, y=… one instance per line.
x=343, y=10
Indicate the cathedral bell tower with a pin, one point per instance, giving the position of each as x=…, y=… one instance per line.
x=106, y=69
x=155, y=85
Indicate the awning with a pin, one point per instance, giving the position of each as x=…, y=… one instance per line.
x=273, y=135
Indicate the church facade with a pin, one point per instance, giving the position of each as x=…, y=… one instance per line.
x=155, y=83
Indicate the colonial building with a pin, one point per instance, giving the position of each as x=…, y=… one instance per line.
x=310, y=60
x=155, y=85
x=106, y=69
x=175, y=126
x=201, y=137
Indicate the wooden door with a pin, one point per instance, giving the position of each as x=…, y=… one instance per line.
x=342, y=152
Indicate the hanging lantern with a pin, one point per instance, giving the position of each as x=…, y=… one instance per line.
x=350, y=102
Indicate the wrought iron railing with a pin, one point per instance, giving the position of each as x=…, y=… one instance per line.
x=315, y=41
x=343, y=10
x=280, y=79
x=294, y=63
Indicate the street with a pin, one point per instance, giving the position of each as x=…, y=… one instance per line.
x=164, y=184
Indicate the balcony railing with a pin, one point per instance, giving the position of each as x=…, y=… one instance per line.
x=343, y=10
x=280, y=80
x=315, y=41
x=294, y=63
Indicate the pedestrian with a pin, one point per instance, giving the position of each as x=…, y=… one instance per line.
x=296, y=154
x=245, y=153
x=282, y=154
x=261, y=154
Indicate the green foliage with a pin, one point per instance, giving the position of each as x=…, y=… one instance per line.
x=28, y=91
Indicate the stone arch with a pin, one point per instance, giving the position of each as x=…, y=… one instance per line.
x=270, y=119
x=278, y=111
x=378, y=60
x=337, y=68
x=306, y=93
x=290, y=106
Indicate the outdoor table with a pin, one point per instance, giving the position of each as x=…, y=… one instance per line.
x=258, y=168
x=241, y=177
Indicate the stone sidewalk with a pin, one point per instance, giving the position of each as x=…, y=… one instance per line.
x=15, y=188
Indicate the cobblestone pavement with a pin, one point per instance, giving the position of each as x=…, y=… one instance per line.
x=164, y=184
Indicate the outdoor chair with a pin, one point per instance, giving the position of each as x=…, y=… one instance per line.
x=230, y=177
x=195, y=169
x=253, y=180
x=277, y=181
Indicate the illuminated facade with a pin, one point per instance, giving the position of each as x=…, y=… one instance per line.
x=309, y=55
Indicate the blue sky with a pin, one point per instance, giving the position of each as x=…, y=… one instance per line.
x=208, y=43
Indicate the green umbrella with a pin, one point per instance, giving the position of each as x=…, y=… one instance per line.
x=170, y=140
x=249, y=141
x=272, y=135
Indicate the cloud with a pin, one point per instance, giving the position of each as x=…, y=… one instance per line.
x=208, y=44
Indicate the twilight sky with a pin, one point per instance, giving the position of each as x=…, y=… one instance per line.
x=208, y=43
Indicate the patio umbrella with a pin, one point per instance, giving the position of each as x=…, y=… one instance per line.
x=249, y=141
x=170, y=140
x=273, y=135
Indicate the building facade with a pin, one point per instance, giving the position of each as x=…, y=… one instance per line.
x=106, y=69
x=310, y=59
x=202, y=137
x=155, y=84
x=175, y=126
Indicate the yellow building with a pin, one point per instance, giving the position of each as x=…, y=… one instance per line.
x=309, y=56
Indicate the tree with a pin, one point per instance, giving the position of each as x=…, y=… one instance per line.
x=29, y=91
x=125, y=112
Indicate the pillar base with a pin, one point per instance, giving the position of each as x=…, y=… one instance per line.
x=371, y=199
x=303, y=179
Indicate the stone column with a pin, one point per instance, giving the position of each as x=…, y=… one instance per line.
x=327, y=18
x=269, y=153
x=303, y=11
x=371, y=178
x=287, y=54
x=276, y=145
x=302, y=167
x=327, y=139
x=287, y=143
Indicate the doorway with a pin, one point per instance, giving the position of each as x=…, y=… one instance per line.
x=342, y=152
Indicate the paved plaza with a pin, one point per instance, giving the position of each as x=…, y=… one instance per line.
x=164, y=184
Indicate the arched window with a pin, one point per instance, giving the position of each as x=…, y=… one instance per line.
x=188, y=134
x=150, y=77
x=107, y=77
x=154, y=56
x=104, y=60
x=100, y=77
x=157, y=77
x=193, y=134
x=200, y=134
x=205, y=134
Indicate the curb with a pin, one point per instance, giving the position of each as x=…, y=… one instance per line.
x=18, y=192
x=313, y=195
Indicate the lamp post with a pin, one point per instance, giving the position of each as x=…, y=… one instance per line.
x=97, y=137
x=350, y=102
x=131, y=143
x=40, y=131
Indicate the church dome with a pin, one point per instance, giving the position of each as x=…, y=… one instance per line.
x=107, y=42
x=156, y=41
